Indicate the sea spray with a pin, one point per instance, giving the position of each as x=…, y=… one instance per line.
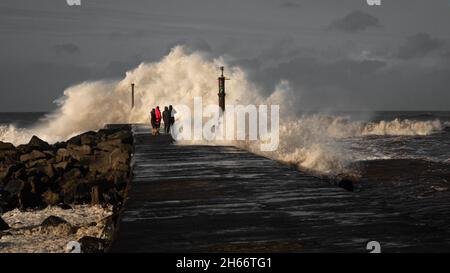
x=307, y=141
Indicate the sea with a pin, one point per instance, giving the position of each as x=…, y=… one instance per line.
x=433, y=147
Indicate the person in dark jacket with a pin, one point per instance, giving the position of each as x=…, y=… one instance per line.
x=153, y=121
x=166, y=118
x=172, y=115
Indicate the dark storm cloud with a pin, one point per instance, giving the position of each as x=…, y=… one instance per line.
x=355, y=21
x=22, y=84
x=418, y=46
x=67, y=48
x=126, y=35
x=271, y=40
x=290, y=4
x=321, y=82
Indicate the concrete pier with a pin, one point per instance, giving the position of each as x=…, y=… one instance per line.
x=223, y=199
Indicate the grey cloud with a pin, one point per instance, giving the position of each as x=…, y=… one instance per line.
x=355, y=21
x=418, y=46
x=67, y=48
x=290, y=4
x=36, y=85
x=135, y=34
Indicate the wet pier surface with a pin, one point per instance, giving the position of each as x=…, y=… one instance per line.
x=223, y=199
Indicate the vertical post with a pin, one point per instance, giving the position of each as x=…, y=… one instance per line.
x=132, y=95
x=222, y=90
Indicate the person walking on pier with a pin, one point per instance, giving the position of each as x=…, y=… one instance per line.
x=158, y=118
x=172, y=115
x=166, y=118
x=153, y=121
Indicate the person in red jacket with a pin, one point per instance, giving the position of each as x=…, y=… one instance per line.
x=158, y=118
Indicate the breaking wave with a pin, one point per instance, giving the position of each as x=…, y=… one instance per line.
x=343, y=127
x=307, y=141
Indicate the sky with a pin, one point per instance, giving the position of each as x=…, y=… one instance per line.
x=342, y=55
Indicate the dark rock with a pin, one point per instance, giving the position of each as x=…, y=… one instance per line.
x=83, y=193
x=64, y=206
x=72, y=174
x=44, y=169
x=57, y=226
x=19, y=173
x=38, y=185
x=100, y=163
x=6, y=146
x=61, y=166
x=53, y=221
x=126, y=137
x=346, y=184
x=34, y=155
x=95, y=197
x=49, y=154
x=19, y=195
x=78, y=152
x=88, y=138
x=3, y=225
x=62, y=155
x=109, y=145
x=76, y=140
x=51, y=198
x=76, y=191
x=104, y=133
x=7, y=150
x=59, y=145
x=34, y=163
x=39, y=144
x=7, y=169
x=89, y=168
x=14, y=187
x=93, y=245
x=119, y=160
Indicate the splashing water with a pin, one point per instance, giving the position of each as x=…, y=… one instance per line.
x=181, y=76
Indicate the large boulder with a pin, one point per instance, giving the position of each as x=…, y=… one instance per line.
x=62, y=166
x=6, y=146
x=42, y=168
x=7, y=169
x=57, y=226
x=120, y=160
x=3, y=225
x=100, y=163
x=34, y=144
x=36, y=185
x=109, y=145
x=14, y=187
x=38, y=144
x=53, y=221
x=18, y=195
x=93, y=244
x=33, y=155
x=125, y=136
x=87, y=138
x=62, y=155
x=78, y=152
x=51, y=198
x=76, y=191
x=7, y=150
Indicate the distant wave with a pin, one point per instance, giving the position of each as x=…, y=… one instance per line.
x=342, y=127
